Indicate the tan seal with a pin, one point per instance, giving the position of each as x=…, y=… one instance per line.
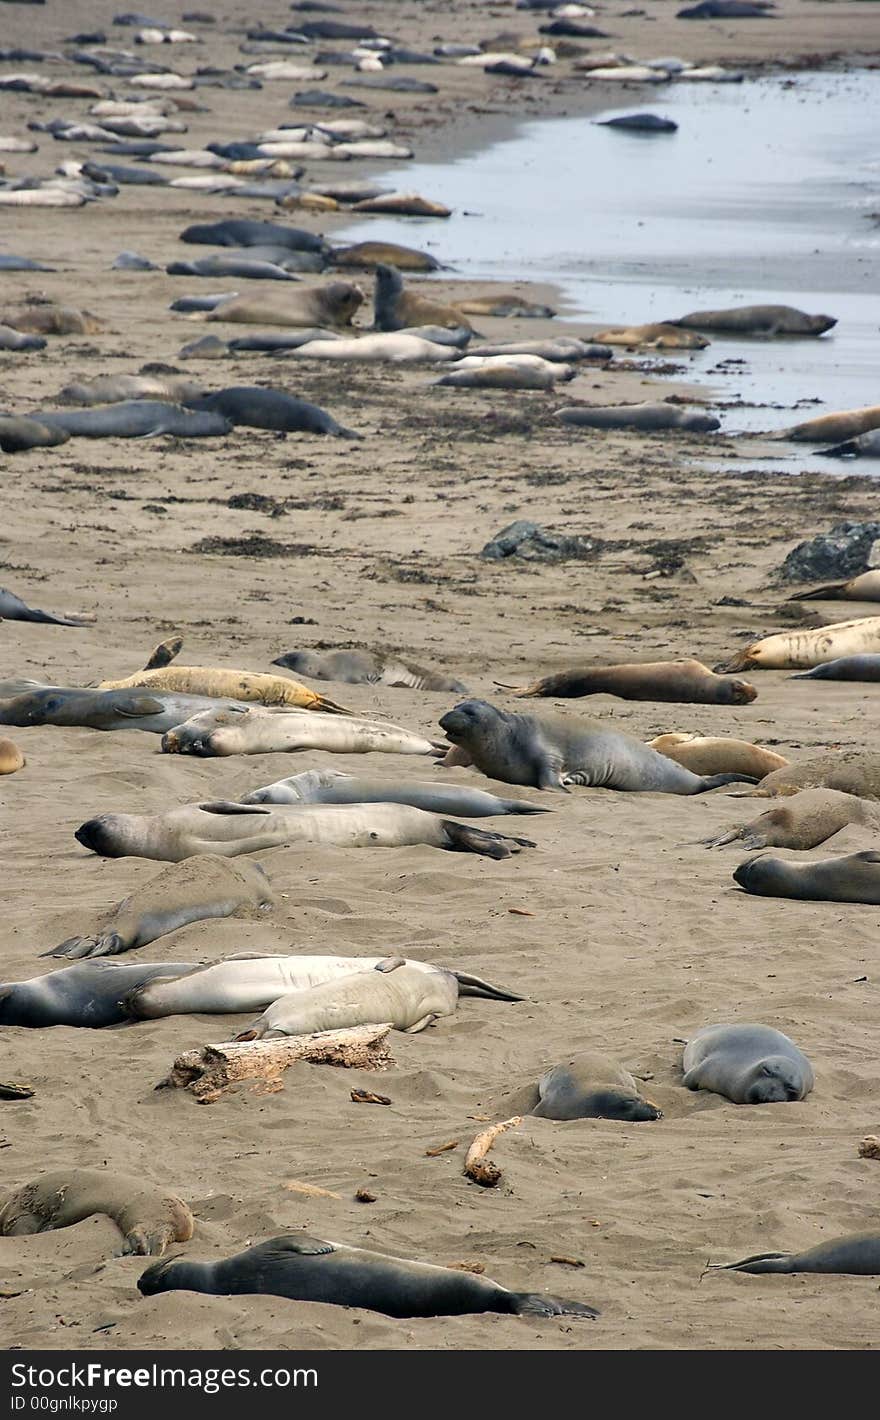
x=396, y=308
x=864, y=588
x=709, y=755
x=149, y=1218
x=801, y=650
x=330, y=305
x=685, y=682
x=11, y=757
x=849, y=771
x=657, y=336
x=215, y=681
x=828, y=428
x=801, y=821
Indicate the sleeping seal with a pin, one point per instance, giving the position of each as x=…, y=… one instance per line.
x=256, y=731
x=864, y=588
x=850, y=771
x=750, y=1064
x=685, y=682
x=259, y=408
x=757, y=320
x=801, y=821
x=801, y=650
x=11, y=757
x=189, y=892
x=18, y=433
x=330, y=786
x=864, y=668
x=149, y=1218
x=135, y=419
x=649, y=418
x=358, y=667
x=854, y=878
x=708, y=755
x=589, y=1086
x=230, y=829
x=856, y=1256
x=398, y=993
x=155, y=711
x=12, y=608
x=87, y=994
x=307, y=1269
x=552, y=751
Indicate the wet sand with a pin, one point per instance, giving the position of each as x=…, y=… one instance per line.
x=636, y=936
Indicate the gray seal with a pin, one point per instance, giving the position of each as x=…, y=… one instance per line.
x=330, y=786
x=589, y=1086
x=18, y=433
x=357, y=667
x=757, y=320
x=156, y=711
x=135, y=419
x=853, y=878
x=865, y=668
x=269, y=409
x=650, y=418
x=12, y=608
x=87, y=994
x=308, y=1269
x=750, y=1064
x=231, y=266
x=242, y=232
x=19, y=340
x=856, y=1256
x=553, y=751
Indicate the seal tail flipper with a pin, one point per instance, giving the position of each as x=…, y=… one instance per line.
x=105, y=944
x=421, y=1024
x=164, y=653
x=742, y=661
x=463, y=838
x=839, y=451
x=817, y=593
x=330, y=707
x=475, y=986
x=340, y=432
x=735, y=835
x=536, y=1304
x=522, y=806
x=714, y=781
x=761, y=1262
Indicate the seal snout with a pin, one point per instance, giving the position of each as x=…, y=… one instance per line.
x=97, y=835
x=154, y=1279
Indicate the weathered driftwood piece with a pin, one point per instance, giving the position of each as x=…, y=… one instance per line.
x=211, y=1069
x=476, y=1165
x=870, y=1147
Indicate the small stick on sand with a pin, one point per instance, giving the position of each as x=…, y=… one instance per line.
x=441, y=1148
x=211, y=1069
x=476, y=1165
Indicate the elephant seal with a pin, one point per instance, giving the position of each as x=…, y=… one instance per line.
x=750, y=1064
x=253, y=983
x=706, y=755
x=308, y=1269
x=682, y=682
x=199, y=888
x=728, y=10
x=864, y=588
x=135, y=419
x=106, y=709
x=657, y=336
x=846, y=424
x=149, y=1218
x=50, y=319
x=801, y=650
x=87, y=994
x=552, y=751
x=801, y=821
x=589, y=1086
x=278, y=340
x=19, y=340
x=18, y=433
x=408, y=998
x=333, y=304
x=395, y=308
x=639, y=123
x=270, y=409
x=565, y=348
x=863, y=446
x=757, y=320
x=209, y=682
x=402, y=204
x=242, y=232
x=397, y=347
x=113, y=389
x=849, y=771
x=230, y=829
x=650, y=418
x=857, y=1255
x=501, y=374
x=863, y=668
x=330, y=786
x=12, y=608
x=853, y=878
x=358, y=667
x=387, y=254
x=505, y=304
x=256, y=732
x=232, y=267
x=11, y=757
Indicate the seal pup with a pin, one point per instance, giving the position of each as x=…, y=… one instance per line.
x=863, y=446
x=589, y=1086
x=112, y=389
x=258, y=732
x=552, y=751
x=229, y=829
x=12, y=608
x=683, y=682
x=850, y=771
x=845, y=424
x=308, y=1269
x=395, y=307
x=357, y=667
x=259, y=408
x=246, y=983
x=87, y=994
x=801, y=821
x=200, y=888
x=863, y=668
x=405, y=997
x=656, y=336
x=864, y=588
x=157, y=712
x=333, y=304
x=857, y=1255
x=749, y=1064
x=330, y=786
x=213, y=681
x=11, y=757
x=707, y=755
x=650, y=418
x=18, y=433
x=854, y=878
x=135, y=419
x=801, y=650
x=757, y=320
x=149, y=1218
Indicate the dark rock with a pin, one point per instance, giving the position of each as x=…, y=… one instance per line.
x=842, y=552
x=536, y=544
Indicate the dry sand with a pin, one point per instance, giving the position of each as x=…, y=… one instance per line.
x=634, y=936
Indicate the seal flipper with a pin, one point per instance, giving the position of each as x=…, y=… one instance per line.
x=301, y=1243
x=464, y=838
x=475, y=986
x=714, y=781
x=136, y=706
x=536, y=1304
x=760, y=1262
x=164, y=653
x=225, y=806
x=103, y=944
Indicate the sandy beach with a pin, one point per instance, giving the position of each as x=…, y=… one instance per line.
x=622, y=932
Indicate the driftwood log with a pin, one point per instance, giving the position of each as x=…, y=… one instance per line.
x=211, y=1069
x=476, y=1165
